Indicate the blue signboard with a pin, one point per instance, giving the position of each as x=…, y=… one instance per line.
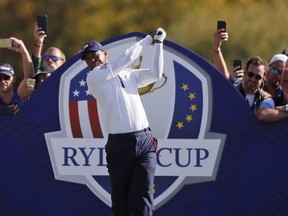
x=214, y=158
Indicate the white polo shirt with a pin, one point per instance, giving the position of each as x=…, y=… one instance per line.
x=115, y=87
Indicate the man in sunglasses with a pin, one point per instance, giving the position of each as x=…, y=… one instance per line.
x=254, y=73
x=53, y=56
x=276, y=108
x=272, y=81
x=8, y=96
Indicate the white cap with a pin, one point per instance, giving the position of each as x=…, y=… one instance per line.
x=278, y=57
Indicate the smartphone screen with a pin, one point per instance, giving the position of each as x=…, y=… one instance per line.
x=221, y=24
x=42, y=21
x=31, y=82
x=5, y=42
x=237, y=63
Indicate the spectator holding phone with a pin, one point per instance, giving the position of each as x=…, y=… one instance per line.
x=9, y=96
x=254, y=73
x=42, y=74
x=276, y=108
x=53, y=56
x=237, y=72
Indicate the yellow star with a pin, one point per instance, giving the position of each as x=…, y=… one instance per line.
x=179, y=125
x=193, y=107
x=192, y=96
x=189, y=118
x=185, y=87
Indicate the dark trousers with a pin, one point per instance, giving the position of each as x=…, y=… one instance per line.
x=131, y=162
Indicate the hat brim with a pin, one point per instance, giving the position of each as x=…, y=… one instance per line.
x=6, y=73
x=83, y=55
x=42, y=72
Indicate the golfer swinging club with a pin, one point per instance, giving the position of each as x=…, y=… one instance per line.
x=130, y=148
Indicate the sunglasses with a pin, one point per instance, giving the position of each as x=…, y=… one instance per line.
x=53, y=58
x=251, y=75
x=275, y=71
x=4, y=77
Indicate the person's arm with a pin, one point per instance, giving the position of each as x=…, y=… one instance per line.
x=19, y=47
x=38, y=46
x=28, y=69
x=130, y=55
x=219, y=60
x=269, y=115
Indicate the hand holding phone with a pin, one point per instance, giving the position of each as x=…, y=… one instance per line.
x=42, y=22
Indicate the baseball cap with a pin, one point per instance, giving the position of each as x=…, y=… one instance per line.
x=90, y=46
x=278, y=57
x=44, y=70
x=6, y=69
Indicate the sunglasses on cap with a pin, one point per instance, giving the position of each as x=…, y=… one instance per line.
x=251, y=75
x=275, y=71
x=53, y=58
x=4, y=77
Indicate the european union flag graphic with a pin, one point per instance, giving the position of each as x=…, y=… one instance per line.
x=188, y=105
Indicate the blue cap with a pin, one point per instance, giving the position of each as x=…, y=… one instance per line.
x=6, y=69
x=90, y=46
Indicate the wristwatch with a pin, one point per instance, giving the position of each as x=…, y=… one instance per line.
x=286, y=108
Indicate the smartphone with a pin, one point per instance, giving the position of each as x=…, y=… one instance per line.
x=5, y=42
x=237, y=63
x=42, y=21
x=31, y=82
x=221, y=24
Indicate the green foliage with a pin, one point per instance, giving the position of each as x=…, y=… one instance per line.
x=255, y=27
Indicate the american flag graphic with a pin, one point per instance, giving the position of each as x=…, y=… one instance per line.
x=188, y=106
x=83, y=111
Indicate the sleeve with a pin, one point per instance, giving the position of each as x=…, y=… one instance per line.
x=145, y=77
x=267, y=103
x=36, y=62
x=130, y=55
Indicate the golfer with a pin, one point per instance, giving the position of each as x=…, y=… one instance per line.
x=130, y=148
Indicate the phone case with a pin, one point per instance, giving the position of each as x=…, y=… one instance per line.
x=42, y=21
x=237, y=63
x=5, y=42
x=221, y=24
x=31, y=82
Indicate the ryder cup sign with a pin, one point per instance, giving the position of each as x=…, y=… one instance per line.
x=179, y=110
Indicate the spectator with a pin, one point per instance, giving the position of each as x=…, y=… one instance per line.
x=272, y=81
x=254, y=74
x=276, y=108
x=42, y=74
x=53, y=56
x=10, y=98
